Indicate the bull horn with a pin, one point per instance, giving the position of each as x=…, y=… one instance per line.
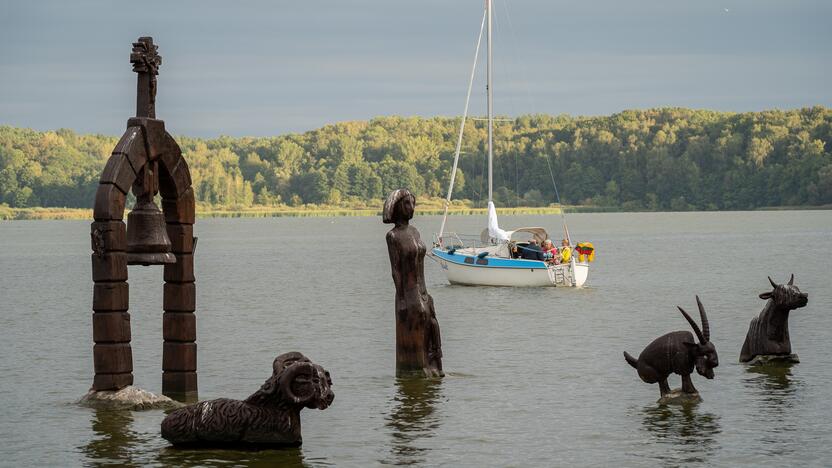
x=693, y=325
x=791, y=280
x=773, y=284
x=706, y=328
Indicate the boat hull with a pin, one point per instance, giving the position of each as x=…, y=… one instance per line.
x=463, y=269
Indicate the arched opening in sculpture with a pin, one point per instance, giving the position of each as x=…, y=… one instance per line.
x=145, y=152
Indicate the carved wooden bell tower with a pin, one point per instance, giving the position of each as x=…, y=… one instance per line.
x=148, y=160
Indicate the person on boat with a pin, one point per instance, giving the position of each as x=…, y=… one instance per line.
x=532, y=251
x=565, y=251
x=550, y=252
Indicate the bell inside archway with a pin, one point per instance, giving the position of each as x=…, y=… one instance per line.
x=147, y=237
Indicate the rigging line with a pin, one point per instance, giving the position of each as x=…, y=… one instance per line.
x=519, y=61
x=516, y=180
x=501, y=170
x=510, y=60
x=557, y=197
x=522, y=67
x=461, y=129
x=515, y=56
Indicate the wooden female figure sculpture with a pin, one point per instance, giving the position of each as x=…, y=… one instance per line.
x=418, y=346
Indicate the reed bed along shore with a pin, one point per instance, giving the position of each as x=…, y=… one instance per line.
x=7, y=213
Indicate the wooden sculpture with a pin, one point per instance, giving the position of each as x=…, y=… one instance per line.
x=418, y=344
x=678, y=353
x=270, y=417
x=768, y=333
x=146, y=159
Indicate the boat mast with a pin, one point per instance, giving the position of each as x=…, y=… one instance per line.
x=461, y=130
x=490, y=107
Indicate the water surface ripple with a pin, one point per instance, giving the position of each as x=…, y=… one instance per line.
x=535, y=376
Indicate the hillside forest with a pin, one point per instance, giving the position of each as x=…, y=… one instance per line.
x=657, y=159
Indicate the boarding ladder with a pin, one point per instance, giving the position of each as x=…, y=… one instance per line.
x=561, y=275
x=557, y=276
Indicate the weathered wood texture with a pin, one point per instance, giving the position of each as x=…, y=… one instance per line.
x=768, y=333
x=418, y=343
x=145, y=140
x=269, y=418
x=112, y=355
x=179, y=323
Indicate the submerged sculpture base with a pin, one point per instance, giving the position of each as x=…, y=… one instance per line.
x=427, y=372
x=678, y=397
x=773, y=359
x=239, y=446
x=128, y=398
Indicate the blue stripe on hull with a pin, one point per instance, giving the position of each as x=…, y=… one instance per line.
x=493, y=262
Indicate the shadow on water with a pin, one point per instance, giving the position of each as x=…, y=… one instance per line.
x=684, y=434
x=775, y=394
x=413, y=419
x=114, y=440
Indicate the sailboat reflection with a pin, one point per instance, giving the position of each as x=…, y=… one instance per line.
x=413, y=420
x=689, y=434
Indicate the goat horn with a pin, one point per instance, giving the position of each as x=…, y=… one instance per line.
x=791, y=280
x=706, y=328
x=773, y=284
x=693, y=325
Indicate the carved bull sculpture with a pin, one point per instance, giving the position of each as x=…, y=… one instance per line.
x=768, y=333
x=269, y=417
x=678, y=353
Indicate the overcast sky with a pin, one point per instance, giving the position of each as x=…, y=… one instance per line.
x=271, y=67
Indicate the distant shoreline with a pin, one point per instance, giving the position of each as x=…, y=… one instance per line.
x=45, y=214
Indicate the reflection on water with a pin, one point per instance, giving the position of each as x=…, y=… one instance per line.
x=114, y=439
x=118, y=443
x=688, y=434
x=772, y=382
x=776, y=395
x=289, y=457
x=413, y=419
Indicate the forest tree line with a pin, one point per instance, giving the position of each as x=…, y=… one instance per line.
x=657, y=159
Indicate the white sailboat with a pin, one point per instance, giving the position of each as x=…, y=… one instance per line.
x=490, y=259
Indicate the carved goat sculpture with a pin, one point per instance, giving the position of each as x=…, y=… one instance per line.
x=677, y=352
x=768, y=333
x=269, y=417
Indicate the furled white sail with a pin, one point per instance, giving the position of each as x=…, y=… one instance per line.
x=494, y=230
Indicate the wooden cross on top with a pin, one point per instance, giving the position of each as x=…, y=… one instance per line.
x=146, y=62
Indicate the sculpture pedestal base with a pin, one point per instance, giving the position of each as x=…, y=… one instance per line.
x=128, y=398
x=773, y=359
x=426, y=372
x=678, y=397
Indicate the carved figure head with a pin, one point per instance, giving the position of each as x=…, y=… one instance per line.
x=299, y=381
x=786, y=296
x=704, y=352
x=399, y=206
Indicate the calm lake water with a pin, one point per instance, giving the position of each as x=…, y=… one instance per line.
x=535, y=376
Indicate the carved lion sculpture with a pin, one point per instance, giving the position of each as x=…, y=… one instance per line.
x=269, y=417
x=768, y=333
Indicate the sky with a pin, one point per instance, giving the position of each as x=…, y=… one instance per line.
x=259, y=68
